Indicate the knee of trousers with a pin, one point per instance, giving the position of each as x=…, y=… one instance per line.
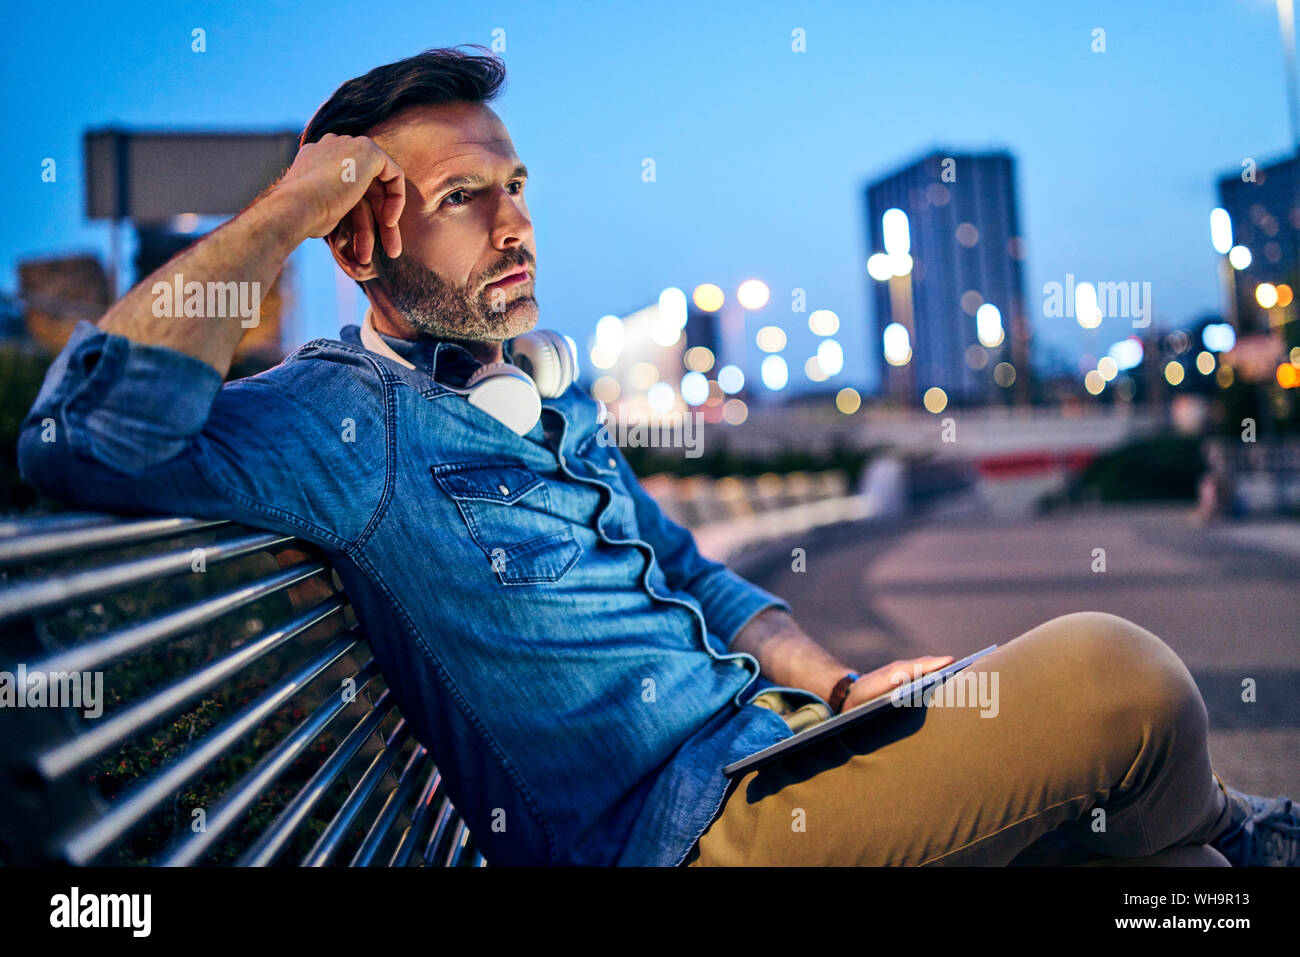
x=1125, y=664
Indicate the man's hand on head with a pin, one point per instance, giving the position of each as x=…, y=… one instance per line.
x=347, y=177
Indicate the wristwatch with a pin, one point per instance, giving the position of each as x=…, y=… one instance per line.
x=841, y=691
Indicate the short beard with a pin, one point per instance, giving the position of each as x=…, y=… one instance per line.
x=437, y=309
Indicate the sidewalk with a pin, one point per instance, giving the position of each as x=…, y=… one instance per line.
x=1281, y=535
x=1222, y=596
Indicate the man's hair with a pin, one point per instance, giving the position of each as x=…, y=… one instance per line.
x=445, y=75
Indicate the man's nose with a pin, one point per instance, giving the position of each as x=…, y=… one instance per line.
x=512, y=225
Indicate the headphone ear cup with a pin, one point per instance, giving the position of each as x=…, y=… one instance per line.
x=546, y=356
x=507, y=393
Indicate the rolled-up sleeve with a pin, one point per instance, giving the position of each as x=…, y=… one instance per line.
x=126, y=405
x=727, y=600
x=122, y=426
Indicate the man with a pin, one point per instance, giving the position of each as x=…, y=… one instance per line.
x=579, y=672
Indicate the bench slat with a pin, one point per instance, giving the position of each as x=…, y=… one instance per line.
x=331, y=838
x=61, y=816
x=37, y=540
x=57, y=591
x=282, y=829
x=115, y=645
x=424, y=809
x=383, y=824
x=148, y=711
x=82, y=847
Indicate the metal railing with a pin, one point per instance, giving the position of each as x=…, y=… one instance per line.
x=189, y=617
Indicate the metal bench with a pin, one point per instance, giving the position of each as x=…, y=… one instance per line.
x=242, y=718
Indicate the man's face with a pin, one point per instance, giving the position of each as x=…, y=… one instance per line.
x=465, y=224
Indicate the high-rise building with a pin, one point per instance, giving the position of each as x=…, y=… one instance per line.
x=945, y=259
x=1264, y=207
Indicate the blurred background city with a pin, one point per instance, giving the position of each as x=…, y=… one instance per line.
x=960, y=293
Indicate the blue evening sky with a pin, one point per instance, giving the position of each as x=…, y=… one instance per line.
x=761, y=152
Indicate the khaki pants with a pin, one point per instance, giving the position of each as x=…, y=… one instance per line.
x=1096, y=755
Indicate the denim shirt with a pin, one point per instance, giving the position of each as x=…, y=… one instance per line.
x=556, y=642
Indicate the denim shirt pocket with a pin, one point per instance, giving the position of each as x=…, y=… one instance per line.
x=507, y=510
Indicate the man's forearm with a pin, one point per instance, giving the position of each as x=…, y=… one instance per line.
x=787, y=655
x=251, y=248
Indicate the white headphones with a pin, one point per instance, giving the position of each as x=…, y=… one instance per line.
x=544, y=365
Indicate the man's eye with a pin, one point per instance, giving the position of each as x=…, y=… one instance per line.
x=448, y=197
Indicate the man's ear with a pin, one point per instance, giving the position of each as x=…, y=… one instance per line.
x=340, y=244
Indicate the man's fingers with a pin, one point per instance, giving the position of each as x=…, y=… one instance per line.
x=386, y=197
x=901, y=671
x=363, y=240
x=394, y=183
x=381, y=204
x=388, y=187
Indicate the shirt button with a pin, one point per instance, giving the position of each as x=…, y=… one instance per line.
x=611, y=462
x=503, y=490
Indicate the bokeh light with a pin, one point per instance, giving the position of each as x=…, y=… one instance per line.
x=698, y=359
x=708, y=297
x=731, y=379
x=897, y=344
x=695, y=388
x=1086, y=311
x=661, y=397
x=896, y=232
x=734, y=411
x=847, y=400
x=774, y=373
x=753, y=294
x=988, y=325
x=880, y=267
x=830, y=356
x=771, y=338
x=823, y=322
x=1220, y=230
x=643, y=375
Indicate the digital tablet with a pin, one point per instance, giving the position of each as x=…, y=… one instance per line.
x=905, y=695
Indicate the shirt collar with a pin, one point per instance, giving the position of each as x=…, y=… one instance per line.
x=440, y=359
